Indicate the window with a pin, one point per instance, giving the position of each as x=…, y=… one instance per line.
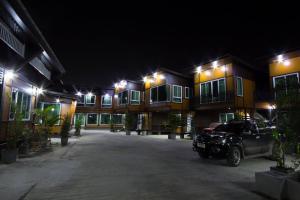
x=123, y=98
x=92, y=118
x=118, y=119
x=22, y=102
x=90, y=99
x=55, y=109
x=187, y=92
x=80, y=100
x=177, y=93
x=239, y=87
x=135, y=97
x=104, y=118
x=213, y=91
x=106, y=101
x=285, y=84
x=226, y=117
x=81, y=117
x=160, y=94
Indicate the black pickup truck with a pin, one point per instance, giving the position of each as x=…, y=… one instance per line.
x=235, y=141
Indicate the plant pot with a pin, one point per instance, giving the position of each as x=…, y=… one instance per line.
x=77, y=132
x=128, y=133
x=64, y=141
x=292, y=189
x=9, y=155
x=172, y=136
x=270, y=184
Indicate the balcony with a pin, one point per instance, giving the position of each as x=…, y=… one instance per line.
x=213, y=102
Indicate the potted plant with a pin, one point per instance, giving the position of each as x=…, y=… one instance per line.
x=25, y=141
x=173, y=123
x=78, y=125
x=128, y=123
x=15, y=130
x=45, y=119
x=65, y=129
x=274, y=183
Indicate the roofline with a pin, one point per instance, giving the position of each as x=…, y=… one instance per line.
x=26, y=20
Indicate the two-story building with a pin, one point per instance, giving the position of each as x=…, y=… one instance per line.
x=29, y=69
x=95, y=107
x=166, y=91
x=223, y=88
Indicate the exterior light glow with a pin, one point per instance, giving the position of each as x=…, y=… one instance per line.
x=40, y=91
x=116, y=85
x=272, y=107
x=198, y=69
x=286, y=63
x=207, y=73
x=79, y=94
x=57, y=100
x=106, y=95
x=155, y=75
x=162, y=76
x=116, y=96
x=151, y=81
x=224, y=68
x=90, y=94
x=215, y=64
x=9, y=74
x=145, y=79
x=52, y=109
x=280, y=58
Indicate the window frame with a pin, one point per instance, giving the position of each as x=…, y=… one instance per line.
x=242, y=86
x=128, y=97
x=138, y=101
x=284, y=76
x=212, y=90
x=85, y=101
x=100, y=118
x=53, y=103
x=173, y=97
x=168, y=98
x=186, y=89
x=106, y=105
x=17, y=90
x=226, y=116
x=87, y=118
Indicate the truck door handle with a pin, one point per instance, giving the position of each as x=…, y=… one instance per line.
x=257, y=137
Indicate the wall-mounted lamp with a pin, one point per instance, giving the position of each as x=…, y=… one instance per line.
x=10, y=74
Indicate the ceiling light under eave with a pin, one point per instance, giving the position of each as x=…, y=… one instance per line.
x=90, y=94
x=215, y=64
x=198, y=69
x=286, y=63
x=207, y=73
x=280, y=58
x=224, y=68
x=10, y=74
x=78, y=93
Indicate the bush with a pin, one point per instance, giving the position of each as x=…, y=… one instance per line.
x=66, y=126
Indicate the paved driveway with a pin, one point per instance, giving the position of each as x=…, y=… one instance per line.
x=103, y=165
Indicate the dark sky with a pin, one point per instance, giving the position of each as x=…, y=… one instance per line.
x=99, y=43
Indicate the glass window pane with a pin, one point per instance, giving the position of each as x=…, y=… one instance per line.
x=90, y=99
x=230, y=116
x=91, y=118
x=162, y=93
x=118, y=119
x=124, y=97
x=81, y=117
x=154, y=94
x=135, y=97
x=222, y=90
x=54, y=108
x=104, y=118
x=239, y=84
x=292, y=83
x=106, y=101
x=222, y=117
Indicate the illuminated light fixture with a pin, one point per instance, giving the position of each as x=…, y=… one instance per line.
x=116, y=96
x=155, y=75
x=207, y=73
x=162, y=76
x=90, y=94
x=272, y=107
x=280, y=58
x=52, y=109
x=106, y=95
x=57, y=100
x=286, y=63
x=123, y=84
x=145, y=79
x=40, y=91
x=152, y=81
x=198, y=69
x=9, y=74
x=215, y=64
x=79, y=93
x=116, y=85
x=224, y=68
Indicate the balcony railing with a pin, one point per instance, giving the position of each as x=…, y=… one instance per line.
x=204, y=100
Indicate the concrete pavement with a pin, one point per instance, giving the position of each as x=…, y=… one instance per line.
x=104, y=165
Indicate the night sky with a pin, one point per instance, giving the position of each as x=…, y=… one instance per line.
x=99, y=43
